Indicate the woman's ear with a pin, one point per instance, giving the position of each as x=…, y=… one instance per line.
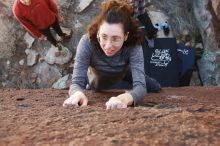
x=126, y=36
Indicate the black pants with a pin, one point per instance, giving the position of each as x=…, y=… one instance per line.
x=150, y=31
x=100, y=82
x=126, y=83
x=49, y=35
x=151, y=83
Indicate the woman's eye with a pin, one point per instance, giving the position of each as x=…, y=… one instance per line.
x=116, y=40
x=104, y=38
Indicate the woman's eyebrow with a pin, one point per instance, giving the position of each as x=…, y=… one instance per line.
x=116, y=36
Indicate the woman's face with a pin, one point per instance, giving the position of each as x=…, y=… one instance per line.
x=111, y=38
x=26, y=2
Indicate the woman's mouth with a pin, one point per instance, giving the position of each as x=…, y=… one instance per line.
x=109, y=53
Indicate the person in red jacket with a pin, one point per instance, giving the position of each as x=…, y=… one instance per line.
x=38, y=16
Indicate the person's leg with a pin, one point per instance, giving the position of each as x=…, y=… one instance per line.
x=46, y=32
x=56, y=27
x=58, y=30
x=150, y=30
x=152, y=84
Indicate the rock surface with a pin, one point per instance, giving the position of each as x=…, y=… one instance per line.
x=207, y=15
x=175, y=116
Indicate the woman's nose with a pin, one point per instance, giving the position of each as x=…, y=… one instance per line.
x=108, y=44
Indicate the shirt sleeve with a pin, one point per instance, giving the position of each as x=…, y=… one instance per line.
x=81, y=64
x=28, y=26
x=53, y=6
x=138, y=74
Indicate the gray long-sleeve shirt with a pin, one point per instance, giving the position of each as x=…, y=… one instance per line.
x=104, y=71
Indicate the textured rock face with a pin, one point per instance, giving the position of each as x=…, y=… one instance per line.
x=40, y=57
x=216, y=7
x=188, y=116
x=78, y=14
x=207, y=15
x=82, y=5
x=58, y=57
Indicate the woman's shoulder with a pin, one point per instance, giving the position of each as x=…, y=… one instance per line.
x=85, y=44
x=134, y=51
x=85, y=39
x=133, y=48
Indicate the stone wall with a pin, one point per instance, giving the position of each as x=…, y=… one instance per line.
x=207, y=15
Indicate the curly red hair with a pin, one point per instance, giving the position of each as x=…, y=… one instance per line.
x=116, y=11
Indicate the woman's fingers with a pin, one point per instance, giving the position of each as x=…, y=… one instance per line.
x=115, y=103
x=71, y=101
x=84, y=102
x=75, y=100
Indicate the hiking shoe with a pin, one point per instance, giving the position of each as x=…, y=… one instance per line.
x=66, y=36
x=59, y=46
